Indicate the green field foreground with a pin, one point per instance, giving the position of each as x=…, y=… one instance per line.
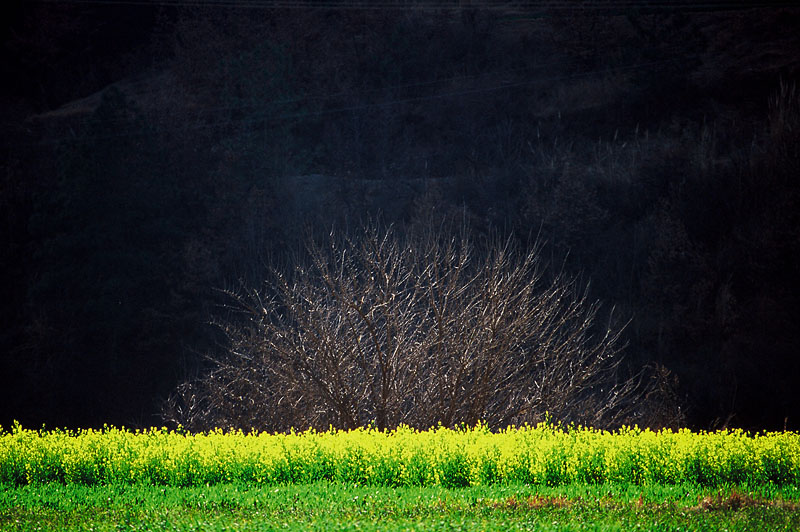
x=335, y=506
x=528, y=478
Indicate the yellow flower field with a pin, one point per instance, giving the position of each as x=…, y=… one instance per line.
x=542, y=455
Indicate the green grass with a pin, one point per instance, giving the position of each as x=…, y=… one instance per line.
x=336, y=506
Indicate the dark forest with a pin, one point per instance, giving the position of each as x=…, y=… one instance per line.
x=159, y=156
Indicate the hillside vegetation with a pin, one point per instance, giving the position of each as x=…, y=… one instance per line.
x=653, y=151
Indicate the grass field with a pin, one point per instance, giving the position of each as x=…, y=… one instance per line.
x=531, y=478
x=332, y=506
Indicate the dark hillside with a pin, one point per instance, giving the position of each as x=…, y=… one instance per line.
x=156, y=152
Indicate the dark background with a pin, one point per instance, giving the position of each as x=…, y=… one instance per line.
x=154, y=152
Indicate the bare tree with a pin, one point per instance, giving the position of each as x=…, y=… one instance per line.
x=416, y=329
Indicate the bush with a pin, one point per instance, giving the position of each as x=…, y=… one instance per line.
x=419, y=329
